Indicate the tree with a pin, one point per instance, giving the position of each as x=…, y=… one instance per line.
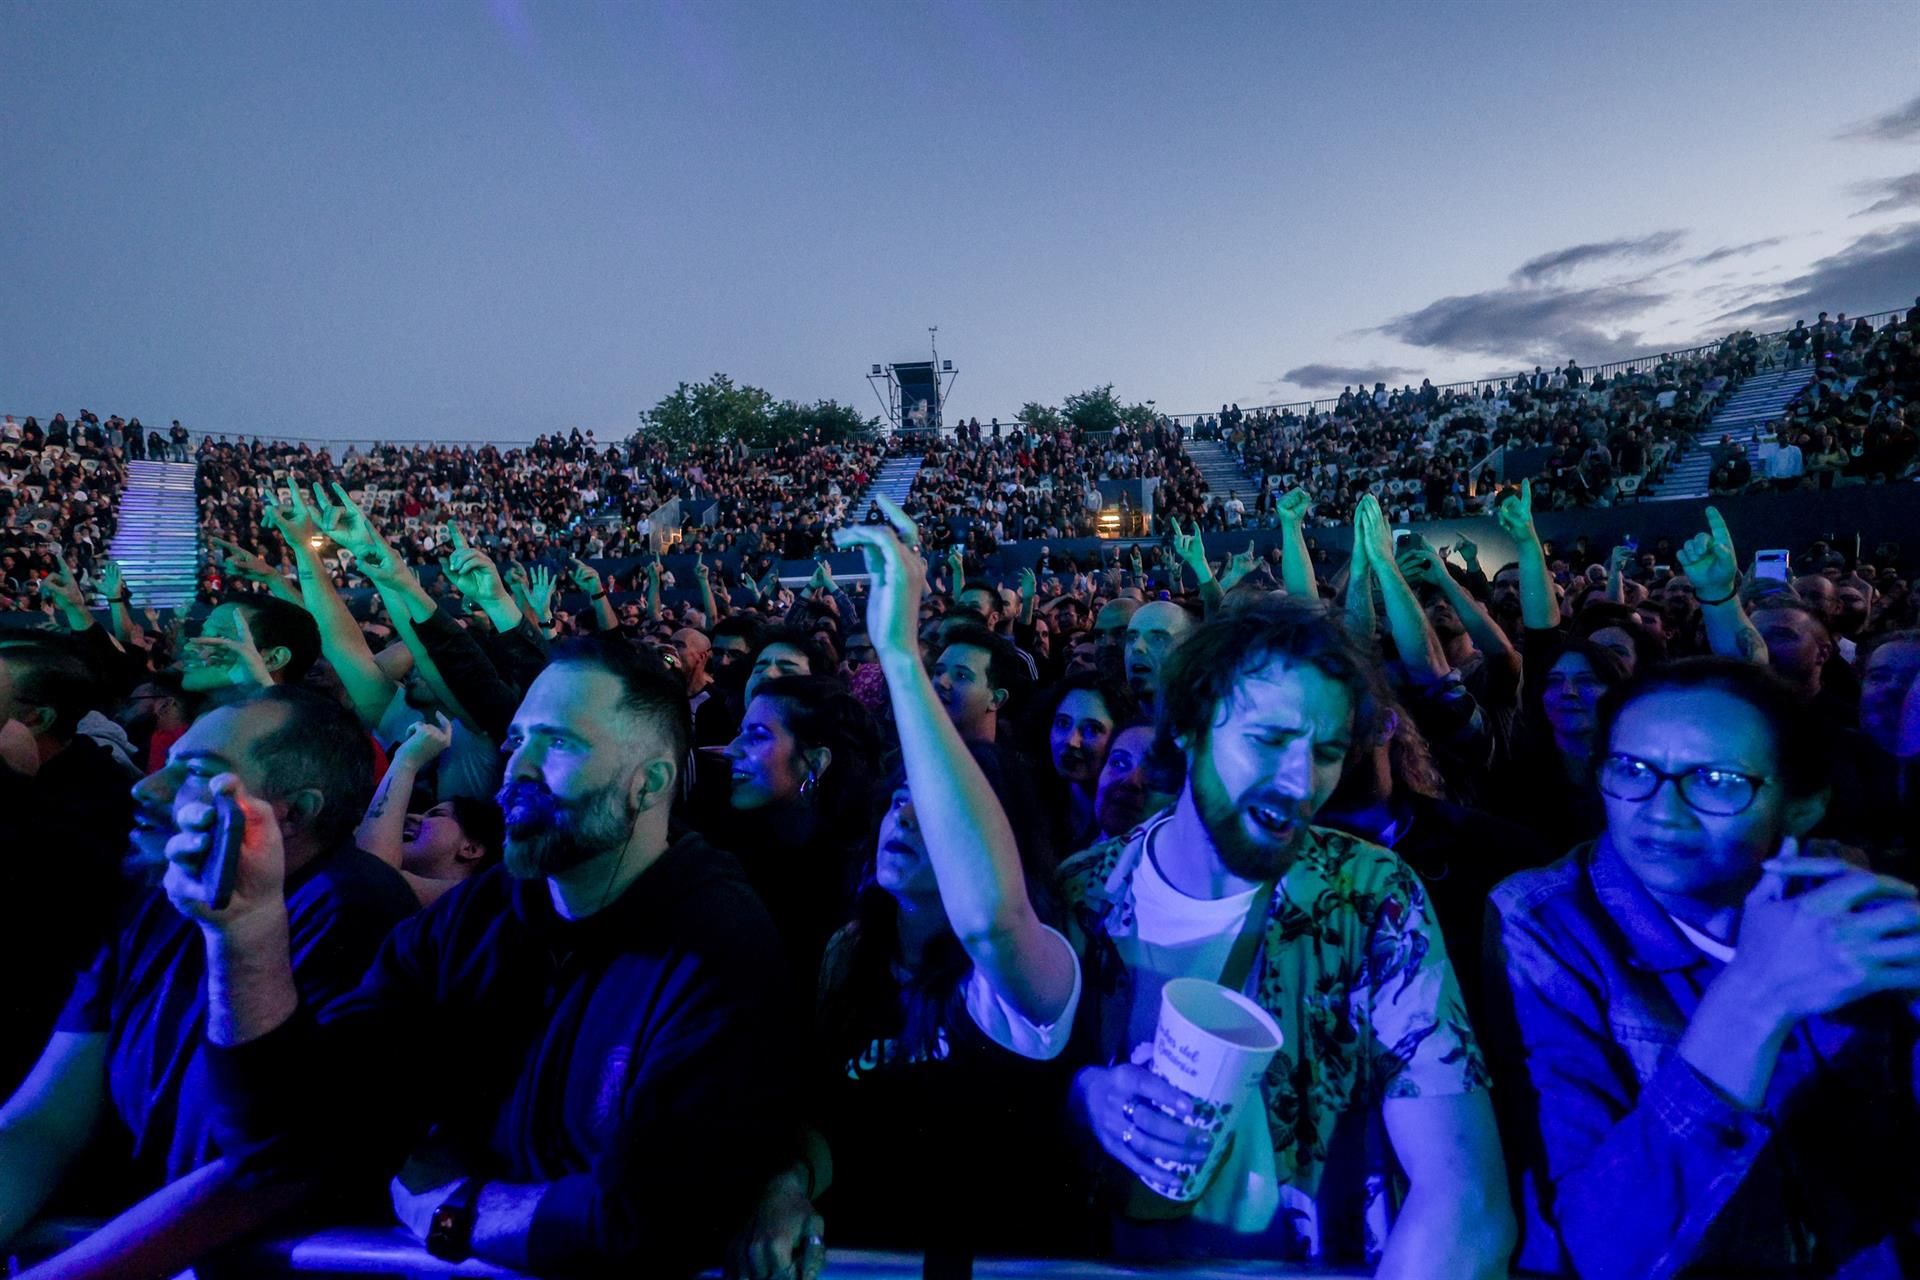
x=825, y=421
x=1041, y=417
x=708, y=413
x=1093, y=410
x=1099, y=409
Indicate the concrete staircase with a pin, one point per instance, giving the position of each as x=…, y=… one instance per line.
x=894, y=481
x=1223, y=473
x=1761, y=401
x=158, y=542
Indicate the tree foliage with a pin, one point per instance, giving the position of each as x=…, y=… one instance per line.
x=827, y=421
x=713, y=412
x=720, y=411
x=1041, y=417
x=1097, y=409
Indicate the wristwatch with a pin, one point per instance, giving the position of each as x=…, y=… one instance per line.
x=450, y=1234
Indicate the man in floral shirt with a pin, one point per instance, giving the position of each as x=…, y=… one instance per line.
x=1267, y=704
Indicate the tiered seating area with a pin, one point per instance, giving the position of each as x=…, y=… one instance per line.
x=1624, y=433
x=59, y=484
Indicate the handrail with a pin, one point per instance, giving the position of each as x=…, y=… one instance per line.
x=376, y=1251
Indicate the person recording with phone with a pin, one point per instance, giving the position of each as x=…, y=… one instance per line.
x=607, y=1000
x=126, y=1065
x=1696, y=1018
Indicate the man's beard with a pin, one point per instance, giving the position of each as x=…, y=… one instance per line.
x=546, y=835
x=1247, y=848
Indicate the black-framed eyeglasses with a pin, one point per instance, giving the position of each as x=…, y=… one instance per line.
x=1719, y=792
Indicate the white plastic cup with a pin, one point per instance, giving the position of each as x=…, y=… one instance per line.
x=1214, y=1044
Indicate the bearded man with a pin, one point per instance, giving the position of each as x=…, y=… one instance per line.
x=573, y=1060
x=1333, y=936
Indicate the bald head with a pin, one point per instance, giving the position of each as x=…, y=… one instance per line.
x=693, y=647
x=1111, y=624
x=1153, y=633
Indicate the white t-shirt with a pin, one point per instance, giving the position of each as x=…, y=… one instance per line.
x=1180, y=937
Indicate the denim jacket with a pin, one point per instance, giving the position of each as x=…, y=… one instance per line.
x=1632, y=1163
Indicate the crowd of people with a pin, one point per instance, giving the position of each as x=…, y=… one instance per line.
x=58, y=487
x=716, y=931
x=1429, y=453
x=562, y=496
x=1025, y=484
x=1855, y=423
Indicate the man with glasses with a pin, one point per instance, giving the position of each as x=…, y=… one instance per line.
x=1697, y=1019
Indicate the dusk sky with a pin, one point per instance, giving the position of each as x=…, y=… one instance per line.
x=491, y=220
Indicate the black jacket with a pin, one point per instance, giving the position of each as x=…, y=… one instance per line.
x=633, y=1062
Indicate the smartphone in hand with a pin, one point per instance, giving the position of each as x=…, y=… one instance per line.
x=221, y=867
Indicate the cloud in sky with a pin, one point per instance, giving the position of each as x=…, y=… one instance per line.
x=1532, y=324
x=1868, y=274
x=1902, y=192
x=1562, y=262
x=1313, y=377
x=1901, y=124
x=1733, y=251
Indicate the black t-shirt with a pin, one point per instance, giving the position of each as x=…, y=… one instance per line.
x=63, y=834
x=961, y=1152
x=147, y=992
x=635, y=1062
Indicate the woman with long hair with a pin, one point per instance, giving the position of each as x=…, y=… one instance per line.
x=944, y=1003
x=801, y=805
x=1077, y=724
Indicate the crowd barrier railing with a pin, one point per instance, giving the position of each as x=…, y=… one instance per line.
x=375, y=1251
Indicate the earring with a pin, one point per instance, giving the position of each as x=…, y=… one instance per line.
x=811, y=783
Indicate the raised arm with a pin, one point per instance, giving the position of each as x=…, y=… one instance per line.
x=1414, y=640
x=1617, y=574
x=970, y=843
x=474, y=576
x=1421, y=564
x=1709, y=563
x=238, y=562
x=70, y=599
x=368, y=688
x=1359, y=598
x=703, y=574
x=382, y=832
x=587, y=579
x=653, y=588
x=1296, y=562
x=1539, y=611
x=113, y=589
x=1192, y=551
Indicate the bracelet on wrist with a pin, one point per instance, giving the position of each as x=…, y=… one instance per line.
x=1723, y=599
x=598, y=595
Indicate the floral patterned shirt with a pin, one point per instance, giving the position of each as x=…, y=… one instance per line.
x=1354, y=971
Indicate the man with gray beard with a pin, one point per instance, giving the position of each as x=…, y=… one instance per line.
x=599, y=1012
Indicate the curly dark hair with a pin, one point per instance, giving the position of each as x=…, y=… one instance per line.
x=1207, y=668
